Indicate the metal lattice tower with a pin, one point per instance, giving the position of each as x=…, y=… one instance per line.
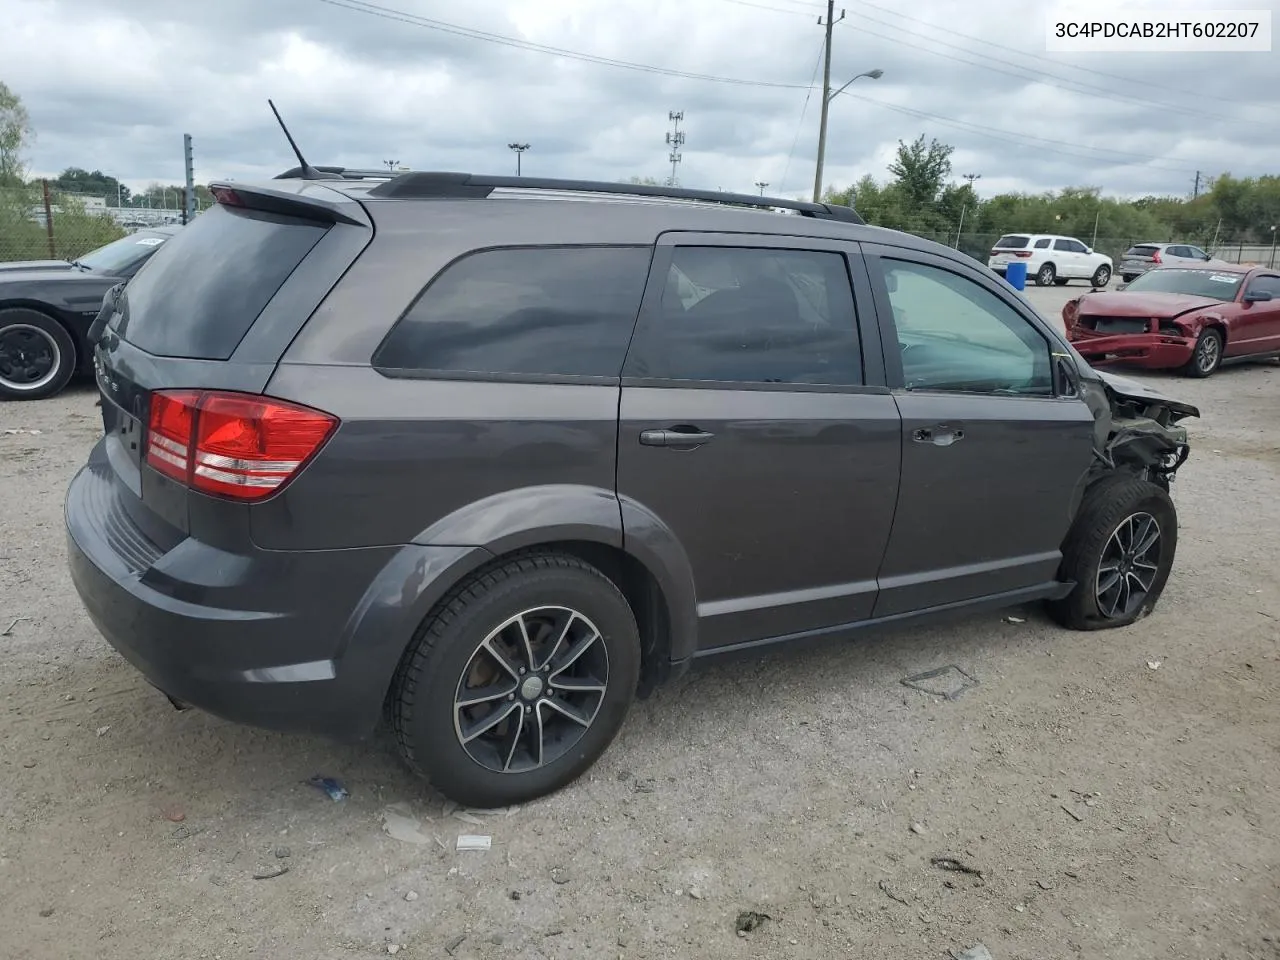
x=675, y=140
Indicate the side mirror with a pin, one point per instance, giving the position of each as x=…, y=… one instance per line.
x=1256, y=296
x=1066, y=378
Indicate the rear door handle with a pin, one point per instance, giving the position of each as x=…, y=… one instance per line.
x=680, y=436
x=941, y=436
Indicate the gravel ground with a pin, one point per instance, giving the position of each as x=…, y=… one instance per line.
x=1118, y=792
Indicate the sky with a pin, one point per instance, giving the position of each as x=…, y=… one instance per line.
x=363, y=83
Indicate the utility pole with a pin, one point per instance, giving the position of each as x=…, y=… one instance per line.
x=1196, y=190
x=972, y=177
x=189, y=201
x=675, y=140
x=829, y=22
x=762, y=184
x=519, y=148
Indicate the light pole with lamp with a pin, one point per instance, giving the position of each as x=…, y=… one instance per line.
x=1272, y=262
x=519, y=148
x=762, y=184
x=828, y=96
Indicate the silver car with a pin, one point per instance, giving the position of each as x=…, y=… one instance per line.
x=1142, y=257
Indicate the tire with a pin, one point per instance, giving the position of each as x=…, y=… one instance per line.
x=1207, y=356
x=37, y=355
x=452, y=647
x=1129, y=277
x=1061, y=281
x=1046, y=275
x=1101, y=276
x=1116, y=504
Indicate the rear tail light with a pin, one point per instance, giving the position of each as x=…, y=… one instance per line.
x=227, y=197
x=1155, y=256
x=1022, y=253
x=233, y=445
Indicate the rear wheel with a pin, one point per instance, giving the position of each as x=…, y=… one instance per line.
x=1102, y=276
x=1118, y=553
x=518, y=682
x=37, y=355
x=1046, y=275
x=1207, y=356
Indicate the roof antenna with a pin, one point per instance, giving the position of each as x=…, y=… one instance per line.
x=308, y=172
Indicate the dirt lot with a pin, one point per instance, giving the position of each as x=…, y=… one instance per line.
x=1118, y=791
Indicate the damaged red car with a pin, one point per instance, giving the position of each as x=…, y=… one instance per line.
x=1188, y=319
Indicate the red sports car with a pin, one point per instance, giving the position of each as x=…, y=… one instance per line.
x=1188, y=318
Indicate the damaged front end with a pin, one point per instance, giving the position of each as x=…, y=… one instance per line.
x=1136, y=428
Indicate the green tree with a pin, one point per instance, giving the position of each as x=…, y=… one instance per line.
x=15, y=135
x=92, y=184
x=921, y=169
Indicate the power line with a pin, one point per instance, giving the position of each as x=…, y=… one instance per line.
x=388, y=13
x=817, y=62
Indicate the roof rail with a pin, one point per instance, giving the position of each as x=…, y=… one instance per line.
x=338, y=173
x=431, y=185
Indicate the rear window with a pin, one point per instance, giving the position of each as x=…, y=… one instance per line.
x=1141, y=250
x=1012, y=242
x=203, y=290
x=541, y=311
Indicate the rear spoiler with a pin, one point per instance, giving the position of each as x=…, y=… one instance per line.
x=312, y=202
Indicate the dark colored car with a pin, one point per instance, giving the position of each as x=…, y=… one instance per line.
x=1192, y=319
x=1142, y=257
x=497, y=455
x=48, y=306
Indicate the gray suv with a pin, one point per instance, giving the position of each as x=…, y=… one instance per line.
x=491, y=457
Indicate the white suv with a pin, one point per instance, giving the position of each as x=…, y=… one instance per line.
x=1050, y=259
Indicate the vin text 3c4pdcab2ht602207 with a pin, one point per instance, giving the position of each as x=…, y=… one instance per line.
x=496, y=456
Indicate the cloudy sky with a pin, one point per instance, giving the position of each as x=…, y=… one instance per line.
x=447, y=84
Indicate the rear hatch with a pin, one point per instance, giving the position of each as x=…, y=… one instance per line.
x=1140, y=258
x=201, y=327
x=1013, y=246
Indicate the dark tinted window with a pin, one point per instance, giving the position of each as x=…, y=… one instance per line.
x=1178, y=251
x=557, y=311
x=1270, y=284
x=1062, y=245
x=202, y=291
x=1042, y=243
x=1012, y=242
x=1142, y=250
x=738, y=314
x=957, y=335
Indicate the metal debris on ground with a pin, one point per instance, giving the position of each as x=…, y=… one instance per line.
x=329, y=785
x=918, y=829
x=399, y=823
x=271, y=873
x=955, y=865
x=18, y=431
x=473, y=842
x=750, y=920
x=454, y=944
x=1015, y=620
x=1072, y=814
x=8, y=631
x=1153, y=664
x=102, y=731
x=976, y=952
x=888, y=892
x=946, y=682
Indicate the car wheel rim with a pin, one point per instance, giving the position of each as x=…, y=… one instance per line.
x=1103, y=278
x=1046, y=277
x=1130, y=564
x=29, y=357
x=1208, y=354
x=531, y=690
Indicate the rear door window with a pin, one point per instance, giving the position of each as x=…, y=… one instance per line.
x=1042, y=243
x=203, y=290
x=1064, y=245
x=1012, y=242
x=529, y=311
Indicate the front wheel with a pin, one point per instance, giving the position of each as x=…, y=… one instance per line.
x=1102, y=276
x=1118, y=553
x=1207, y=356
x=518, y=681
x=1046, y=275
x=37, y=355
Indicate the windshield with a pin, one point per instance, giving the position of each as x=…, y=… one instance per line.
x=118, y=257
x=1195, y=283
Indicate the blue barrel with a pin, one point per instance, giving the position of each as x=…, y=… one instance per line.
x=1016, y=274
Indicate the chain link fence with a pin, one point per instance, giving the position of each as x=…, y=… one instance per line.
x=38, y=222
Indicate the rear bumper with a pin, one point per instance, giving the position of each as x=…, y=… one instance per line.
x=1155, y=351
x=304, y=641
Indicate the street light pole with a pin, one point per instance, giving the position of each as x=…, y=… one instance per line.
x=519, y=148
x=762, y=184
x=827, y=96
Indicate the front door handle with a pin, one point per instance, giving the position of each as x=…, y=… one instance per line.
x=680, y=436
x=941, y=436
